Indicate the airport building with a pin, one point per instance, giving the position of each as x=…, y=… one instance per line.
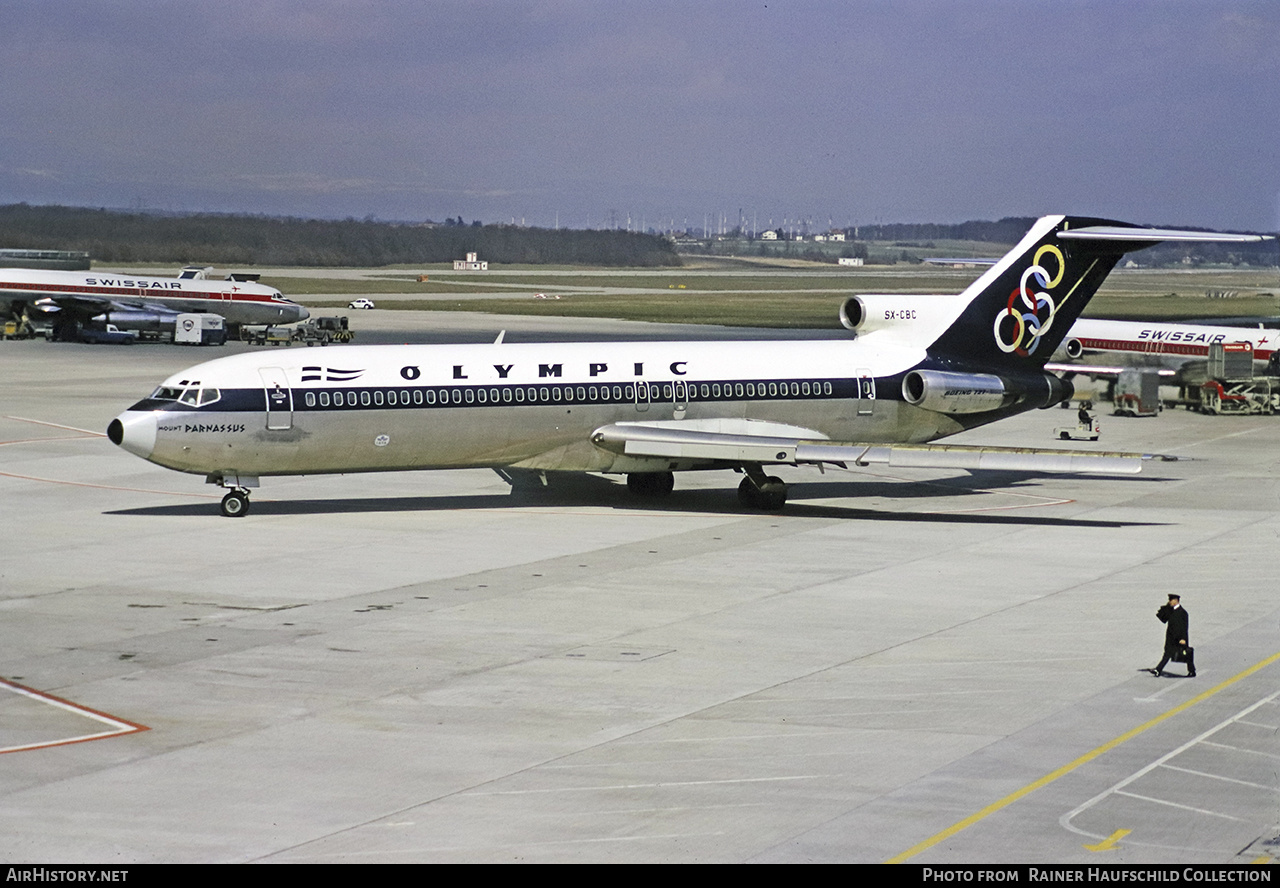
x=471, y=263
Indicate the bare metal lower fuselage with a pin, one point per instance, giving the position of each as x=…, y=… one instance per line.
x=546, y=438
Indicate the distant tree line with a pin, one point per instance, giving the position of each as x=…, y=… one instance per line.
x=117, y=236
x=1006, y=231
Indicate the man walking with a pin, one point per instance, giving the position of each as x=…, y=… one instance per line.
x=1175, y=637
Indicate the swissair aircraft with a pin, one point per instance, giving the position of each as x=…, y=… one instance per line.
x=132, y=301
x=1174, y=342
x=916, y=369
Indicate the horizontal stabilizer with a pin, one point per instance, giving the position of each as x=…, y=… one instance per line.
x=1125, y=233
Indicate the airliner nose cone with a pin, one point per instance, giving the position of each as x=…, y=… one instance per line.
x=135, y=432
x=303, y=314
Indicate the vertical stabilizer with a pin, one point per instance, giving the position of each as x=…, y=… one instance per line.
x=1023, y=306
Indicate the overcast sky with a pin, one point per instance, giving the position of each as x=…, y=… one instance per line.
x=1161, y=112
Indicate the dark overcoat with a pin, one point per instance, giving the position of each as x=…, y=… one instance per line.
x=1175, y=627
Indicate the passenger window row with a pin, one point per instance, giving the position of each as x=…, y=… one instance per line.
x=582, y=394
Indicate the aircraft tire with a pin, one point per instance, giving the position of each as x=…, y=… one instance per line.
x=774, y=495
x=235, y=504
x=651, y=484
x=771, y=498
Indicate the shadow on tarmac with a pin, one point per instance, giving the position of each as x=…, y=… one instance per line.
x=591, y=491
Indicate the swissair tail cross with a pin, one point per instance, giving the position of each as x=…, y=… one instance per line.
x=915, y=369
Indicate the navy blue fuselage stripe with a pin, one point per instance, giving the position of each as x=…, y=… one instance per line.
x=251, y=400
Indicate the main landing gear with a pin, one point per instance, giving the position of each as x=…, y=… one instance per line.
x=757, y=490
x=761, y=491
x=236, y=503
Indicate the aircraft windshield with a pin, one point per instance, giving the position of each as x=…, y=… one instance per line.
x=194, y=396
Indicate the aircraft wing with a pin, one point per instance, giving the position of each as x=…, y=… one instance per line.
x=89, y=304
x=677, y=441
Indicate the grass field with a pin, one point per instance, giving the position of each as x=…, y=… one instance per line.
x=768, y=297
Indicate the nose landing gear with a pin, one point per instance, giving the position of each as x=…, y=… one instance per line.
x=236, y=504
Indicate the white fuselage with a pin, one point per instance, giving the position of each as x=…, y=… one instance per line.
x=384, y=408
x=240, y=302
x=1178, y=342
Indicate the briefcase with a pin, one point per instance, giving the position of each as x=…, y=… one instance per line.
x=1183, y=653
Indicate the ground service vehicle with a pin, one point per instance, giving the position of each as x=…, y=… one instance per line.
x=107, y=335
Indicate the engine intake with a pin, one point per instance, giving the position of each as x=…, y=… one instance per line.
x=852, y=313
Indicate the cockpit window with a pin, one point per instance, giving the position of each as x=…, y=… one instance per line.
x=192, y=395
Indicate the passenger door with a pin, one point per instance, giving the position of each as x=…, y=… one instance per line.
x=866, y=392
x=279, y=398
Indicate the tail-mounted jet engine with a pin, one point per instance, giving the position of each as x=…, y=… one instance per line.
x=865, y=313
x=944, y=391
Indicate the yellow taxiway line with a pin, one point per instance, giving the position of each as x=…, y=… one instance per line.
x=1071, y=766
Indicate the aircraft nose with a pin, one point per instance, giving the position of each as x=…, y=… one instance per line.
x=134, y=431
x=303, y=314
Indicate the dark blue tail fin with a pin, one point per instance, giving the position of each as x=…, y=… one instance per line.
x=1022, y=307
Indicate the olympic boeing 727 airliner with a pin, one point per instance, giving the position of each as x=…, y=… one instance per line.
x=917, y=368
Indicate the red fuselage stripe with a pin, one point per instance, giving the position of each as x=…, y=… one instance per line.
x=137, y=292
x=1159, y=347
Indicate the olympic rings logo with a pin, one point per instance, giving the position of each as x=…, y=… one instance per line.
x=1029, y=315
